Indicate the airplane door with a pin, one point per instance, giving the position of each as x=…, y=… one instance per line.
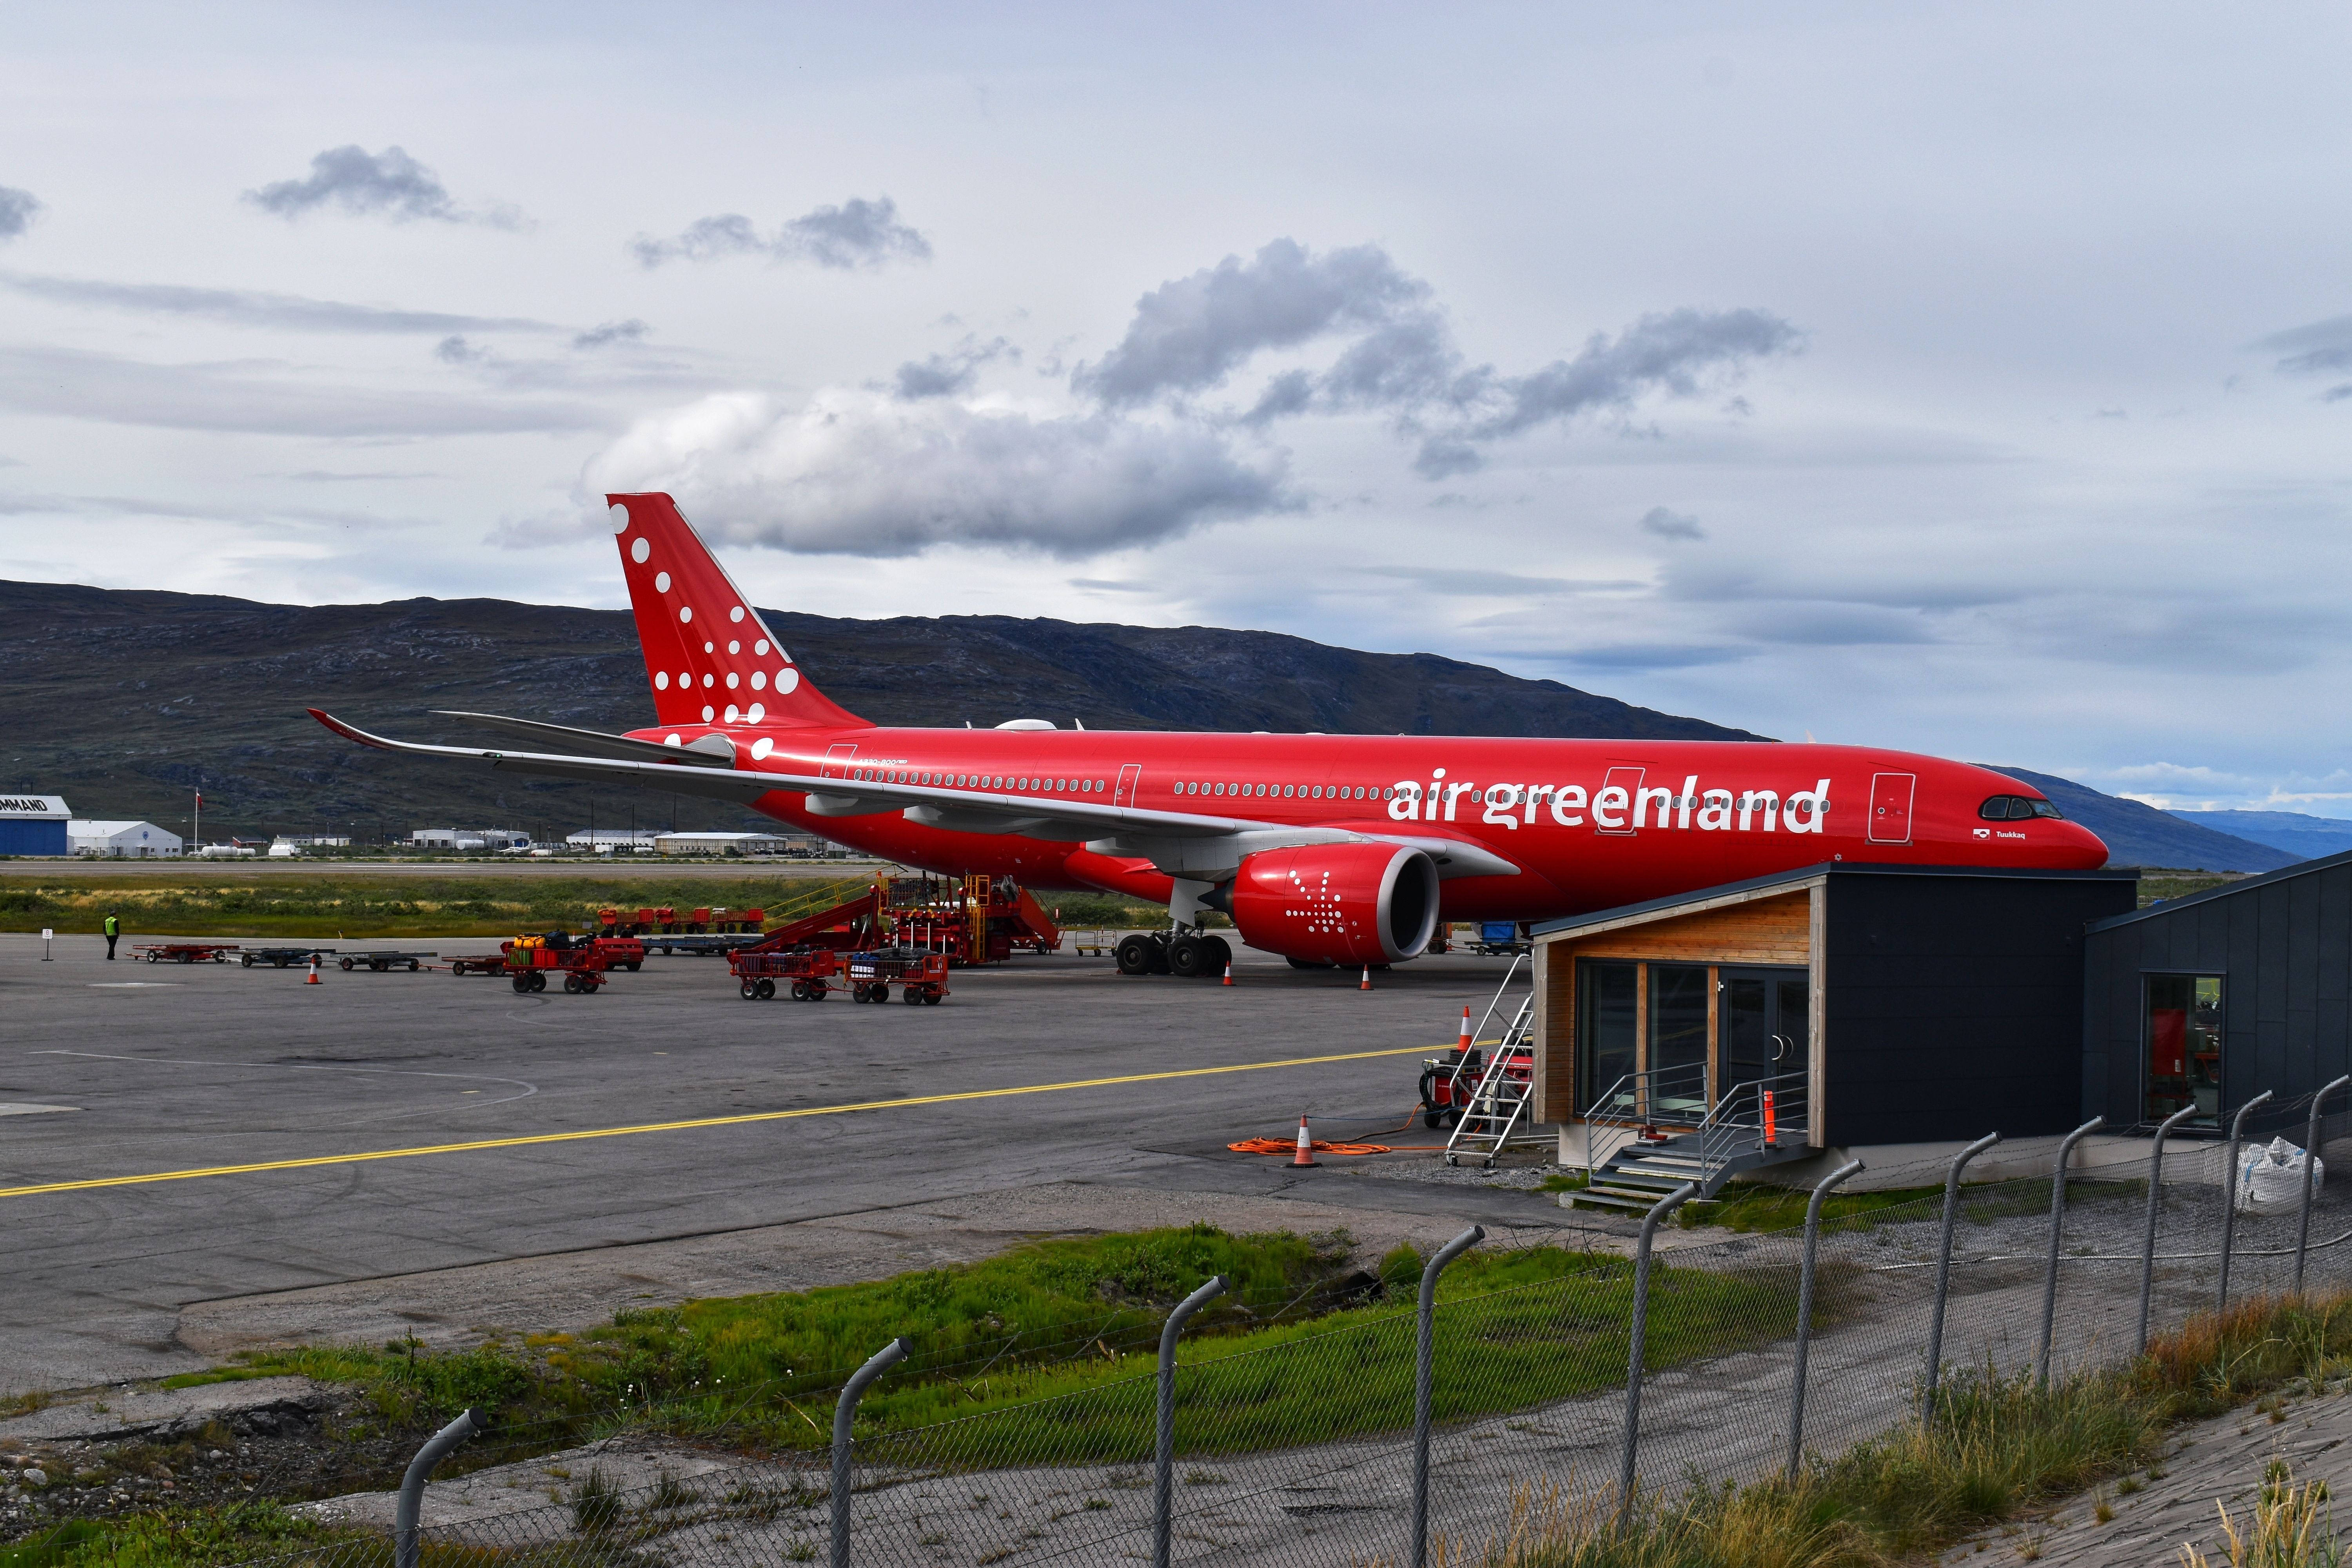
x=1890, y=807
x=837, y=761
x=1130, y=781
x=1630, y=781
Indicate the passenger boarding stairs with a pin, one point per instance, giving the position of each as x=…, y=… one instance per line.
x=1678, y=1139
x=1500, y=1104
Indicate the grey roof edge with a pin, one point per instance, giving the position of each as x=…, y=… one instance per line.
x=1805, y=874
x=2227, y=889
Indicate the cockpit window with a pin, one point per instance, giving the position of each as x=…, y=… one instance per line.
x=2016, y=808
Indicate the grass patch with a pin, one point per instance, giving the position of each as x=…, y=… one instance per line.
x=1745, y=1207
x=1056, y=1339
x=2000, y=1447
x=197, y=1536
x=334, y=906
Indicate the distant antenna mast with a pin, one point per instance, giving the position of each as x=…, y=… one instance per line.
x=196, y=832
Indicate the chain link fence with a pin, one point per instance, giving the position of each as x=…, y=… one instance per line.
x=1303, y=1451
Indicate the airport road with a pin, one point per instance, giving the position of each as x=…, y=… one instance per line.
x=172, y=1070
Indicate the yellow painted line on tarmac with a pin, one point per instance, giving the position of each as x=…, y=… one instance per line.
x=316, y=1161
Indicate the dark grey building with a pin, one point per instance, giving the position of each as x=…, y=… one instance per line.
x=2211, y=999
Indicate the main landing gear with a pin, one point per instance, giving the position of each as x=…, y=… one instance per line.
x=1187, y=954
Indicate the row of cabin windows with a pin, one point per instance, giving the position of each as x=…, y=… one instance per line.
x=1297, y=792
x=984, y=781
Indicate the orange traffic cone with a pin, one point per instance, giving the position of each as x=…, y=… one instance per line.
x=1229, y=972
x=1464, y=1046
x=1306, y=1155
x=1367, y=986
x=314, y=971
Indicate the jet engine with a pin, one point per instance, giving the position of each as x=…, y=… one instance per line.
x=1338, y=903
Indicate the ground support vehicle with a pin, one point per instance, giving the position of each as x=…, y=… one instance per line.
x=806, y=974
x=488, y=964
x=531, y=959
x=380, y=962
x=1191, y=955
x=282, y=957
x=1500, y=939
x=664, y=921
x=622, y=953
x=186, y=952
x=1446, y=1084
x=978, y=919
x=919, y=977
x=697, y=946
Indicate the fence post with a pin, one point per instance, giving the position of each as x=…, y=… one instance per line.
x=2155, y=1198
x=407, y=1512
x=845, y=1411
x=1423, y=1355
x=2310, y=1178
x=2230, y=1196
x=1639, y=1328
x=2057, y=1230
x=1944, y=1272
x=1164, y=1473
x=1805, y=1312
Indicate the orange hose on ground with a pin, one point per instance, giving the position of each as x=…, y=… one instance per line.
x=1278, y=1146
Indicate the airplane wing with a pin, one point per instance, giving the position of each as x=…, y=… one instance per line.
x=1180, y=842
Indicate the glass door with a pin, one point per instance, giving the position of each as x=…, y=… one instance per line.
x=1764, y=1023
x=2184, y=1048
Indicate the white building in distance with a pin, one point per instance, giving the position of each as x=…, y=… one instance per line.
x=463, y=838
x=121, y=840
x=742, y=842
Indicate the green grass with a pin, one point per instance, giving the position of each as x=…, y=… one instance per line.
x=334, y=906
x=2000, y=1447
x=1056, y=1340
x=1753, y=1207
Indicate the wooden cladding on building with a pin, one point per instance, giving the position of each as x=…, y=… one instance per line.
x=1770, y=929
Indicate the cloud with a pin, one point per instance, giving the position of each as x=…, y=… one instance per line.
x=254, y=398
x=2319, y=349
x=629, y=331
x=1194, y=334
x=18, y=211
x=1472, y=583
x=245, y=308
x=942, y=375
x=361, y=182
x=856, y=234
x=863, y=473
x=1671, y=524
x=1191, y=333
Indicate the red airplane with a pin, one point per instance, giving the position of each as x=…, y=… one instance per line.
x=1351, y=847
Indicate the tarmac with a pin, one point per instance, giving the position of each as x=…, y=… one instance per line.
x=391, y=1153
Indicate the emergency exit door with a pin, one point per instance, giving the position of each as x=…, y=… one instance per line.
x=1129, y=778
x=1890, y=807
x=1763, y=1024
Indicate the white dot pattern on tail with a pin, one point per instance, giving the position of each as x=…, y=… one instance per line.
x=757, y=714
x=620, y=516
x=787, y=678
x=661, y=582
x=640, y=550
x=661, y=683
x=686, y=612
x=707, y=711
x=759, y=679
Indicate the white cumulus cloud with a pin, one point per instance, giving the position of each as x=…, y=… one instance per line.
x=859, y=472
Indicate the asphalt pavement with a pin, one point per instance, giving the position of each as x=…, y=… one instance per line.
x=146, y=1071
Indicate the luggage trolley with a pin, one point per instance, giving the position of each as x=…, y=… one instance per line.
x=531, y=959
x=921, y=976
x=806, y=974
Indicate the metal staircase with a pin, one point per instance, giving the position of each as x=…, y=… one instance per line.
x=1499, y=1113
x=1758, y=1123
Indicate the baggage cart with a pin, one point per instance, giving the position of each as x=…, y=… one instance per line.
x=805, y=975
x=921, y=976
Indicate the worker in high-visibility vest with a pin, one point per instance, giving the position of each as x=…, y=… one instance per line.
x=113, y=929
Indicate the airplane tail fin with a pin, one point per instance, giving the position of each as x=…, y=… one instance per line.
x=710, y=657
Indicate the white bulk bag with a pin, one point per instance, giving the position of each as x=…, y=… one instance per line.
x=2270, y=1180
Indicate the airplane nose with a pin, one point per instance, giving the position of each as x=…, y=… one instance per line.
x=2089, y=844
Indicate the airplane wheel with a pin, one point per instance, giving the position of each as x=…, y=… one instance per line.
x=1221, y=953
x=1136, y=954
x=1187, y=957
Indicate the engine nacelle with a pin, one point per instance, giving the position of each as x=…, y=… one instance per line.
x=1338, y=903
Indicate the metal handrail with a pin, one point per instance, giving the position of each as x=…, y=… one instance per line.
x=1725, y=1134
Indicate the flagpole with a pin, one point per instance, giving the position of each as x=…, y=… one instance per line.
x=197, y=831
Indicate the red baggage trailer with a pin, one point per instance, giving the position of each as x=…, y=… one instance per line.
x=921, y=976
x=807, y=974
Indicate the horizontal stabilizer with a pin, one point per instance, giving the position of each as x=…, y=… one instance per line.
x=696, y=755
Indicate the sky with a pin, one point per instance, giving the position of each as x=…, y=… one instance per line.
x=1971, y=381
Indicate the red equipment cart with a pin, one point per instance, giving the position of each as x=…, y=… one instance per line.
x=186, y=952
x=921, y=976
x=807, y=974
x=582, y=964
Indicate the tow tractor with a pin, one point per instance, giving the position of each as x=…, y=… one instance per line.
x=921, y=976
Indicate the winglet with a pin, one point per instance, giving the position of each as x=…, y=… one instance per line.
x=347, y=732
